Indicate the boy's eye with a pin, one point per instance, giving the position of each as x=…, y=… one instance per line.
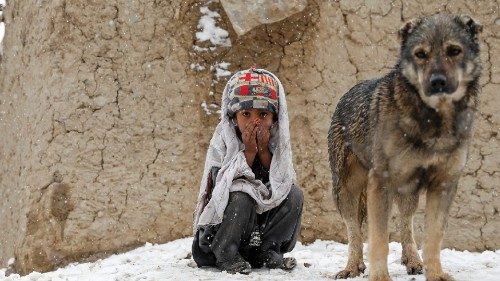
x=263, y=114
x=245, y=113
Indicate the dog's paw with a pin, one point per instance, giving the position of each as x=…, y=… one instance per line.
x=413, y=265
x=351, y=271
x=362, y=267
x=439, y=277
x=414, y=268
x=346, y=273
x=379, y=277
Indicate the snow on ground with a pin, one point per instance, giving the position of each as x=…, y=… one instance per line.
x=317, y=261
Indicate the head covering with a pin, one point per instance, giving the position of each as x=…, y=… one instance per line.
x=252, y=88
x=227, y=152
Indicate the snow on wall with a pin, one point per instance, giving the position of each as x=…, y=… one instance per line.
x=216, y=37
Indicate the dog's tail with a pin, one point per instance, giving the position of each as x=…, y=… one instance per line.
x=336, y=155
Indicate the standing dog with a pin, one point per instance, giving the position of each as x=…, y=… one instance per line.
x=408, y=131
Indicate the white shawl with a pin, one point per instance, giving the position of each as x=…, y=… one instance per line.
x=226, y=151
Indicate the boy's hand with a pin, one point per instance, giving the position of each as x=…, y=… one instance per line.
x=249, y=137
x=263, y=136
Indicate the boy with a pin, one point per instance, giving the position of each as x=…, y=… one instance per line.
x=249, y=207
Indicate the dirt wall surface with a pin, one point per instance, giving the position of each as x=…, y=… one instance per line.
x=107, y=108
x=96, y=96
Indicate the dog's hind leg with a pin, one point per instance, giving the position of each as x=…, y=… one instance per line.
x=407, y=205
x=349, y=194
x=438, y=201
x=379, y=203
x=351, y=201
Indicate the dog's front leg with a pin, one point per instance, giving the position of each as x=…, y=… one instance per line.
x=379, y=202
x=407, y=204
x=438, y=202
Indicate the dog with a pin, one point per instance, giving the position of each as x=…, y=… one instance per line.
x=394, y=137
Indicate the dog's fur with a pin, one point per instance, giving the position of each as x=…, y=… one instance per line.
x=392, y=137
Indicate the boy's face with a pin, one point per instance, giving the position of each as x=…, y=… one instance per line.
x=261, y=117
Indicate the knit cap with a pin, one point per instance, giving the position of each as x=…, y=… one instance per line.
x=252, y=88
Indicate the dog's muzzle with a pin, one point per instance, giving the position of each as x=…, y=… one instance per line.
x=438, y=84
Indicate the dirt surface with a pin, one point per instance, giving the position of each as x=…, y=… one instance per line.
x=104, y=135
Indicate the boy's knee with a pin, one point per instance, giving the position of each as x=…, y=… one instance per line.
x=296, y=196
x=240, y=198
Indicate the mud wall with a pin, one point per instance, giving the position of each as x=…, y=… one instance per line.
x=106, y=110
x=101, y=123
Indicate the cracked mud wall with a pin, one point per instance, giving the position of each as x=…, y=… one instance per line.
x=104, y=137
x=100, y=123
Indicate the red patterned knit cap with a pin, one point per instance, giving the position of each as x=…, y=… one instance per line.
x=252, y=88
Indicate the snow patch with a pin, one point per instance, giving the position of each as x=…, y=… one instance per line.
x=197, y=67
x=221, y=70
x=2, y=26
x=217, y=37
x=199, y=49
x=210, y=108
x=317, y=261
x=210, y=31
x=2, y=30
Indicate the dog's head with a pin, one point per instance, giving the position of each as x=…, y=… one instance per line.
x=440, y=56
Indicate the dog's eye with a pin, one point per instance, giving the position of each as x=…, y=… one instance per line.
x=453, y=51
x=421, y=54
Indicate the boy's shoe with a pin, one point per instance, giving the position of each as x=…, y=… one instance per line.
x=236, y=265
x=272, y=260
x=289, y=263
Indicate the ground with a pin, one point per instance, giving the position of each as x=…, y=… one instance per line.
x=317, y=261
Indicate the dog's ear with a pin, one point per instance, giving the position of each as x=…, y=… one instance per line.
x=471, y=25
x=407, y=29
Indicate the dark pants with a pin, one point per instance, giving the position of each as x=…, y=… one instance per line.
x=279, y=229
